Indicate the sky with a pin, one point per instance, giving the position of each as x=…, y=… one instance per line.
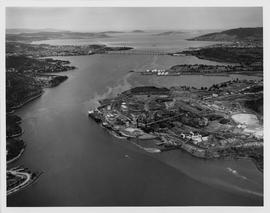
x=95, y=19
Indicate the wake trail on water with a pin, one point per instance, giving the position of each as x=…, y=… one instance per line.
x=225, y=184
x=237, y=183
x=236, y=173
x=235, y=188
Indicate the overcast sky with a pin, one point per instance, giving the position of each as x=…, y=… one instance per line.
x=102, y=19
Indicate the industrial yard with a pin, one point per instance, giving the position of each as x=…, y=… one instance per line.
x=223, y=120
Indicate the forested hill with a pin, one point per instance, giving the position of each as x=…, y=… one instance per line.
x=238, y=34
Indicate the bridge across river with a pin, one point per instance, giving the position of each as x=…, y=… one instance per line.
x=137, y=52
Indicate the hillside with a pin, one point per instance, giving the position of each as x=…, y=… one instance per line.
x=20, y=88
x=243, y=56
x=233, y=35
x=33, y=65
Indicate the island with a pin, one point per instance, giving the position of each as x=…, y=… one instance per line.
x=222, y=121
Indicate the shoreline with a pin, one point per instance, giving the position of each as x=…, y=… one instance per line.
x=27, y=101
x=16, y=157
x=249, y=73
x=33, y=176
x=16, y=135
x=28, y=183
x=192, y=150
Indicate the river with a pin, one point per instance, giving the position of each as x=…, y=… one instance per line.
x=84, y=165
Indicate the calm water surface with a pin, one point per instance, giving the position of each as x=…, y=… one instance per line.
x=84, y=165
x=141, y=41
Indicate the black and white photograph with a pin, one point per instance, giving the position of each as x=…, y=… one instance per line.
x=133, y=106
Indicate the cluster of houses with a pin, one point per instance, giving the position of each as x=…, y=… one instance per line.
x=196, y=138
x=159, y=72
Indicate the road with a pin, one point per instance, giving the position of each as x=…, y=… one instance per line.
x=27, y=180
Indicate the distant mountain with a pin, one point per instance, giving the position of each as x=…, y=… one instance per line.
x=112, y=31
x=25, y=30
x=169, y=33
x=238, y=34
x=37, y=36
x=137, y=31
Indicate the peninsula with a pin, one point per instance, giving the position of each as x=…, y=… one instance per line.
x=45, y=50
x=224, y=120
